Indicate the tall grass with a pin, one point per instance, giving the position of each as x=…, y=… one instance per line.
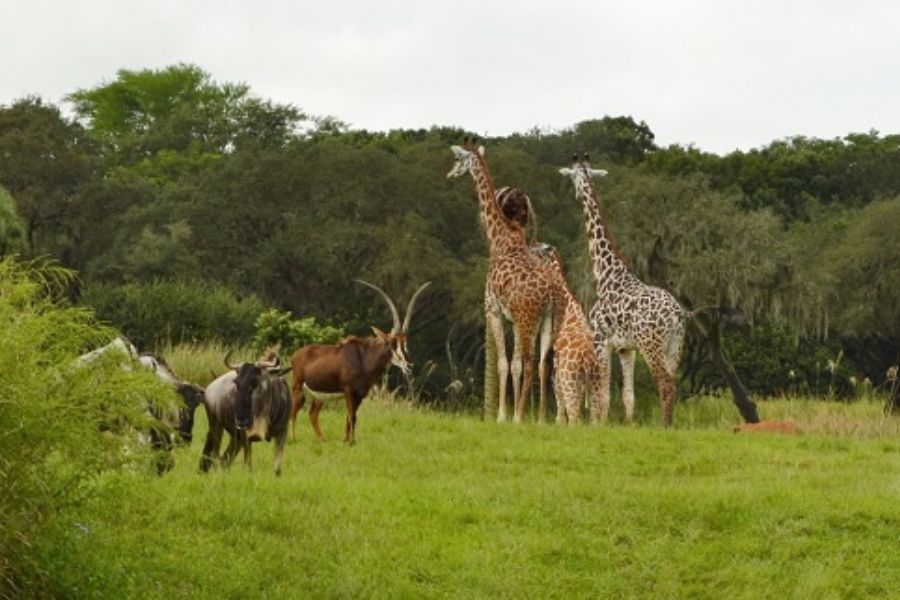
x=435, y=505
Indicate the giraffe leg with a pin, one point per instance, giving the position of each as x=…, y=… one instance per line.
x=603, y=377
x=666, y=386
x=560, y=394
x=516, y=370
x=546, y=341
x=527, y=339
x=495, y=325
x=627, y=358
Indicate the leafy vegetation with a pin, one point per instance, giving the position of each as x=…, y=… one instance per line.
x=62, y=426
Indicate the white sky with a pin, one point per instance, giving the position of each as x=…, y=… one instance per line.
x=717, y=74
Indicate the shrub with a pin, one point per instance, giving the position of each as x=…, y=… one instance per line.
x=277, y=327
x=151, y=314
x=61, y=425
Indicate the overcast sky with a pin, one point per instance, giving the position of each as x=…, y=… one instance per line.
x=717, y=74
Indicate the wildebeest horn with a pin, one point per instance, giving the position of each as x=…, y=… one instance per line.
x=227, y=363
x=412, y=303
x=390, y=303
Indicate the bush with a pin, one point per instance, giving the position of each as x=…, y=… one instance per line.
x=151, y=314
x=61, y=426
x=277, y=327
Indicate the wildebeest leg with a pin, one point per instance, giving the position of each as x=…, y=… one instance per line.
x=315, y=406
x=235, y=442
x=248, y=452
x=279, y=451
x=211, y=447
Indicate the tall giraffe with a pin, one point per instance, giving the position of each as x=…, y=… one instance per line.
x=520, y=287
x=578, y=369
x=628, y=314
x=516, y=208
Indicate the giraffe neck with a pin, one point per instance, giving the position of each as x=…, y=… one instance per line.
x=501, y=233
x=606, y=261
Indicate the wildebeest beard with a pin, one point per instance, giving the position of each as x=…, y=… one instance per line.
x=249, y=377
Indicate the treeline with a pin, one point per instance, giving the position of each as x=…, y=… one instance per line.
x=169, y=180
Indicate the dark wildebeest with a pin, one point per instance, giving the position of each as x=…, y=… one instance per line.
x=251, y=402
x=183, y=419
x=349, y=368
x=179, y=420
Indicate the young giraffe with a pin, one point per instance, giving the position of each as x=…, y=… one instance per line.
x=521, y=287
x=577, y=371
x=629, y=315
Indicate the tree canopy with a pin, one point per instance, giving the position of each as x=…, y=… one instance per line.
x=167, y=176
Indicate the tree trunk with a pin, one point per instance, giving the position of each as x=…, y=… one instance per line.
x=491, y=381
x=741, y=396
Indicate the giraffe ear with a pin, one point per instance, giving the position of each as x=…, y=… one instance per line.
x=480, y=150
x=566, y=172
x=599, y=172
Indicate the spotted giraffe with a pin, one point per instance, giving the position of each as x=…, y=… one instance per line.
x=577, y=370
x=520, y=287
x=516, y=207
x=628, y=314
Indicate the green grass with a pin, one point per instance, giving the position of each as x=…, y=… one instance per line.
x=430, y=505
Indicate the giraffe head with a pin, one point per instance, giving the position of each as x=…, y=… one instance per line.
x=581, y=172
x=468, y=158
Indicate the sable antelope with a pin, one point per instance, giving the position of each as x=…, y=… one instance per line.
x=251, y=402
x=349, y=368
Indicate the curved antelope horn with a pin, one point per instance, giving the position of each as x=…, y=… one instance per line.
x=390, y=303
x=227, y=362
x=411, y=305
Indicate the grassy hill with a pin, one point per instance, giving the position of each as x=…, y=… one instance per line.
x=436, y=505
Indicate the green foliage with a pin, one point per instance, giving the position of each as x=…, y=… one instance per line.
x=427, y=505
x=174, y=311
x=61, y=424
x=274, y=327
x=12, y=228
x=773, y=362
x=175, y=121
x=45, y=161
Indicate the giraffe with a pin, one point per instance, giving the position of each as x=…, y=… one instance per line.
x=578, y=370
x=628, y=314
x=520, y=287
x=516, y=207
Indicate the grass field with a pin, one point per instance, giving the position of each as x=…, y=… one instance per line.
x=434, y=505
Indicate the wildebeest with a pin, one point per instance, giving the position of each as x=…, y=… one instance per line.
x=180, y=420
x=251, y=402
x=183, y=419
x=349, y=368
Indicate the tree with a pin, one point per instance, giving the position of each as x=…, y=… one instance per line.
x=175, y=120
x=12, y=228
x=44, y=161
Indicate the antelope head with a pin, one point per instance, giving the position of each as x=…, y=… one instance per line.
x=398, y=334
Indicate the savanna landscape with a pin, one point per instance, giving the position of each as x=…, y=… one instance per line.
x=207, y=225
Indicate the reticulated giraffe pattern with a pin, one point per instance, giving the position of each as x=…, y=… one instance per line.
x=520, y=286
x=628, y=314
